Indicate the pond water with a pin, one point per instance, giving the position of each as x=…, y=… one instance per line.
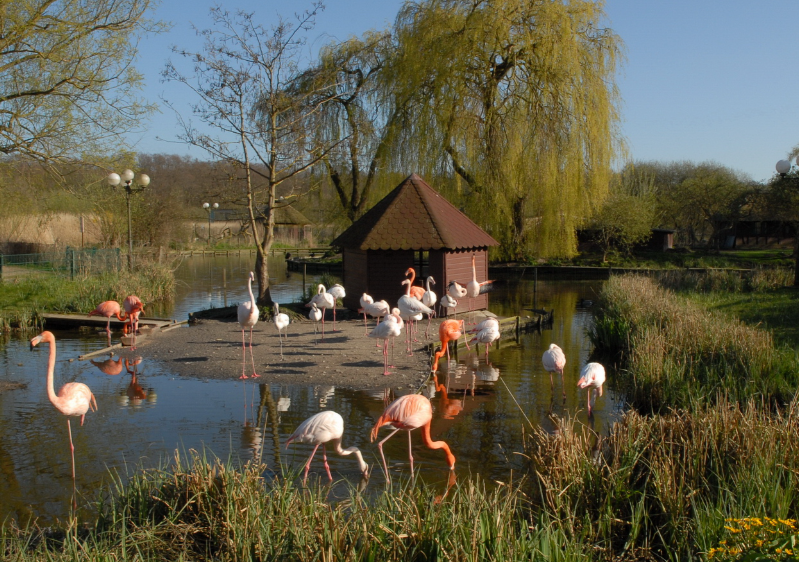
x=145, y=413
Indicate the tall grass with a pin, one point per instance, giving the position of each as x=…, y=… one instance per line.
x=676, y=353
x=759, y=279
x=205, y=510
x=662, y=487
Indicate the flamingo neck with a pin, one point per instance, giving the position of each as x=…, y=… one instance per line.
x=413, y=276
x=249, y=288
x=351, y=451
x=50, y=371
x=474, y=270
x=437, y=445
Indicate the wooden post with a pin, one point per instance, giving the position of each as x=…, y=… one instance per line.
x=304, y=275
x=518, y=326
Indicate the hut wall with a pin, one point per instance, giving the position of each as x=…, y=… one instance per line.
x=355, y=278
x=386, y=270
x=458, y=267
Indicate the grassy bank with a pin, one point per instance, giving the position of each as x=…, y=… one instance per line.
x=22, y=299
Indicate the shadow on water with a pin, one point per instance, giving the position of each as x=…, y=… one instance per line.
x=474, y=401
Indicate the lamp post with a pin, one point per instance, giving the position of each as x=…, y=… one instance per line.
x=783, y=169
x=208, y=208
x=142, y=182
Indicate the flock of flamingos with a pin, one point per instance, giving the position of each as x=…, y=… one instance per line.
x=406, y=413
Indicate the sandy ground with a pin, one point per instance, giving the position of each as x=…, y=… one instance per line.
x=345, y=358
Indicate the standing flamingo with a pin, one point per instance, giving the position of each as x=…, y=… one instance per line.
x=74, y=398
x=554, y=360
x=416, y=291
x=281, y=321
x=410, y=307
x=408, y=413
x=448, y=330
x=383, y=331
x=316, y=315
x=487, y=335
x=248, y=317
x=475, y=288
x=376, y=310
x=133, y=308
x=320, y=429
x=429, y=299
x=447, y=302
x=364, y=300
x=337, y=292
x=323, y=300
x=592, y=376
x=108, y=309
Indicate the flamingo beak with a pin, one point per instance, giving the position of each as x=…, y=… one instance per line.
x=35, y=341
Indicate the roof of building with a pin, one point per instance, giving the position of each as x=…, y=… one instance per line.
x=414, y=217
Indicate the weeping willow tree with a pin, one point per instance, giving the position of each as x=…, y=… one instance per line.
x=518, y=99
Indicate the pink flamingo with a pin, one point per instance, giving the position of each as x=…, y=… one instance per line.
x=74, y=398
x=133, y=308
x=592, y=376
x=109, y=366
x=108, y=309
x=248, y=317
x=323, y=300
x=383, y=331
x=554, y=361
x=448, y=330
x=416, y=292
x=321, y=429
x=408, y=413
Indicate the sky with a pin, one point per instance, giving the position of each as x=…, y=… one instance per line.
x=702, y=80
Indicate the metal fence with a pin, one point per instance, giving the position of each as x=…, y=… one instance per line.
x=69, y=262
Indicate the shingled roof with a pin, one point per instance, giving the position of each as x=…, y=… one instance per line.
x=413, y=217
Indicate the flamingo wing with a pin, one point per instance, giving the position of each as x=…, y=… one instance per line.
x=319, y=428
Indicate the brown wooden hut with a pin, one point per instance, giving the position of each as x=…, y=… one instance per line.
x=413, y=226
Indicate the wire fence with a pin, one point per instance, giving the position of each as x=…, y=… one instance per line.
x=69, y=262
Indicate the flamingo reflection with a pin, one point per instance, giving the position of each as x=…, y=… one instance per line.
x=109, y=366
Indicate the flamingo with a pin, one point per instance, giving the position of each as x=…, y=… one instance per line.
x=377, y=309
x=383, y=331
x=416, y=292
x=133, y=308
x=429, y=299
x=365, y=300
x=487, y=336
x=448, y=302
x=314, y=314
x=321, y=429
x=410, y=307
x=448, y=330
x=554, y=361
x=474, y=288
x=248, y=317
x=108, y=309
x=281, y=321
x=338, y=292
x=408, y=413
x=487, y=323
x=592, y=376
x=74, y=398
x=456, y=290
x=323, y=300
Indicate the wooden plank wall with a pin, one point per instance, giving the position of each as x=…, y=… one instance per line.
x=355, y=279
x=458, y=267
x=386, y=272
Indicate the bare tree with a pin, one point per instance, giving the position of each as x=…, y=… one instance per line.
x=245, y=81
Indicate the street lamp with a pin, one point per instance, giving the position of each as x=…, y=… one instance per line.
x=208, y=208
x=127, y=177
x=784, y=166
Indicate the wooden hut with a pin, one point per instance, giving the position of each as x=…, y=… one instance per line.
x=413, y=226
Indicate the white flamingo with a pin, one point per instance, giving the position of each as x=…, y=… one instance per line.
x=448, y=302
x=364, y=300
x=487, y=323
x=281, y=321
x=592, y=376
x=487, y=336
x=321, y=429
x=429, y=299
x=377, y=310
x=410, y=307
x=338, y=292
x=397, y=331
x=554, y=361
x=248, y=317
x=323, y=300
x=474, y=288
x=383, y=331
x=316, y=315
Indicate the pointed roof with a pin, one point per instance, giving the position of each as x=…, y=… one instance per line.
x=414, y=217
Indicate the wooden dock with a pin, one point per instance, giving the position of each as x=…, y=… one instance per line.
x=75, y=320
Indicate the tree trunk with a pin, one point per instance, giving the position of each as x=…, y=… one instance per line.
x=264, y=296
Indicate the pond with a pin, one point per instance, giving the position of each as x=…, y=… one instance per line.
x=145, y=413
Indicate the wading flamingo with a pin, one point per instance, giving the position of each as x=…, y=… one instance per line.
x=429, y=300
x=323, y=300
x=281, y=321
x=364, y=300
x=108, y=309
x=410, y=307
x=554, y=361
x=248, y=317
x=133, y=308
x=592, y=376
x=338, y=292
x=408, y=413
x=74, y=398
x=383, y=331
x=487, y=335
x=474, y=288
x=320, y=429
x=416, y=291
x=316, y=315
x=448, y=330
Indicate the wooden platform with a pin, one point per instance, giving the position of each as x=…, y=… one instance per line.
x=74, y=320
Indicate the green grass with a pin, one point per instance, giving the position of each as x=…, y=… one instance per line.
x=734, y=259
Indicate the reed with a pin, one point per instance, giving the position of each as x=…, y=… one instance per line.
x=676, y=353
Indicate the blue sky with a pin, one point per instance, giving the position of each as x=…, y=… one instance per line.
x=703, y=79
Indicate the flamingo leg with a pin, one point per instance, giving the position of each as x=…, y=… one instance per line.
x=365, y=326
x=385, y=357
x=327, y=466
x=308, y=464
x=334, y=318
x=281, y=344
x=410, y=453
x=589, y=402
x=252, y=358
x=72, y=450
x=324, y=310
x=243, y=356
x=315, y=332
x=382, y=456
x=392, y=352
x=562, y=384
